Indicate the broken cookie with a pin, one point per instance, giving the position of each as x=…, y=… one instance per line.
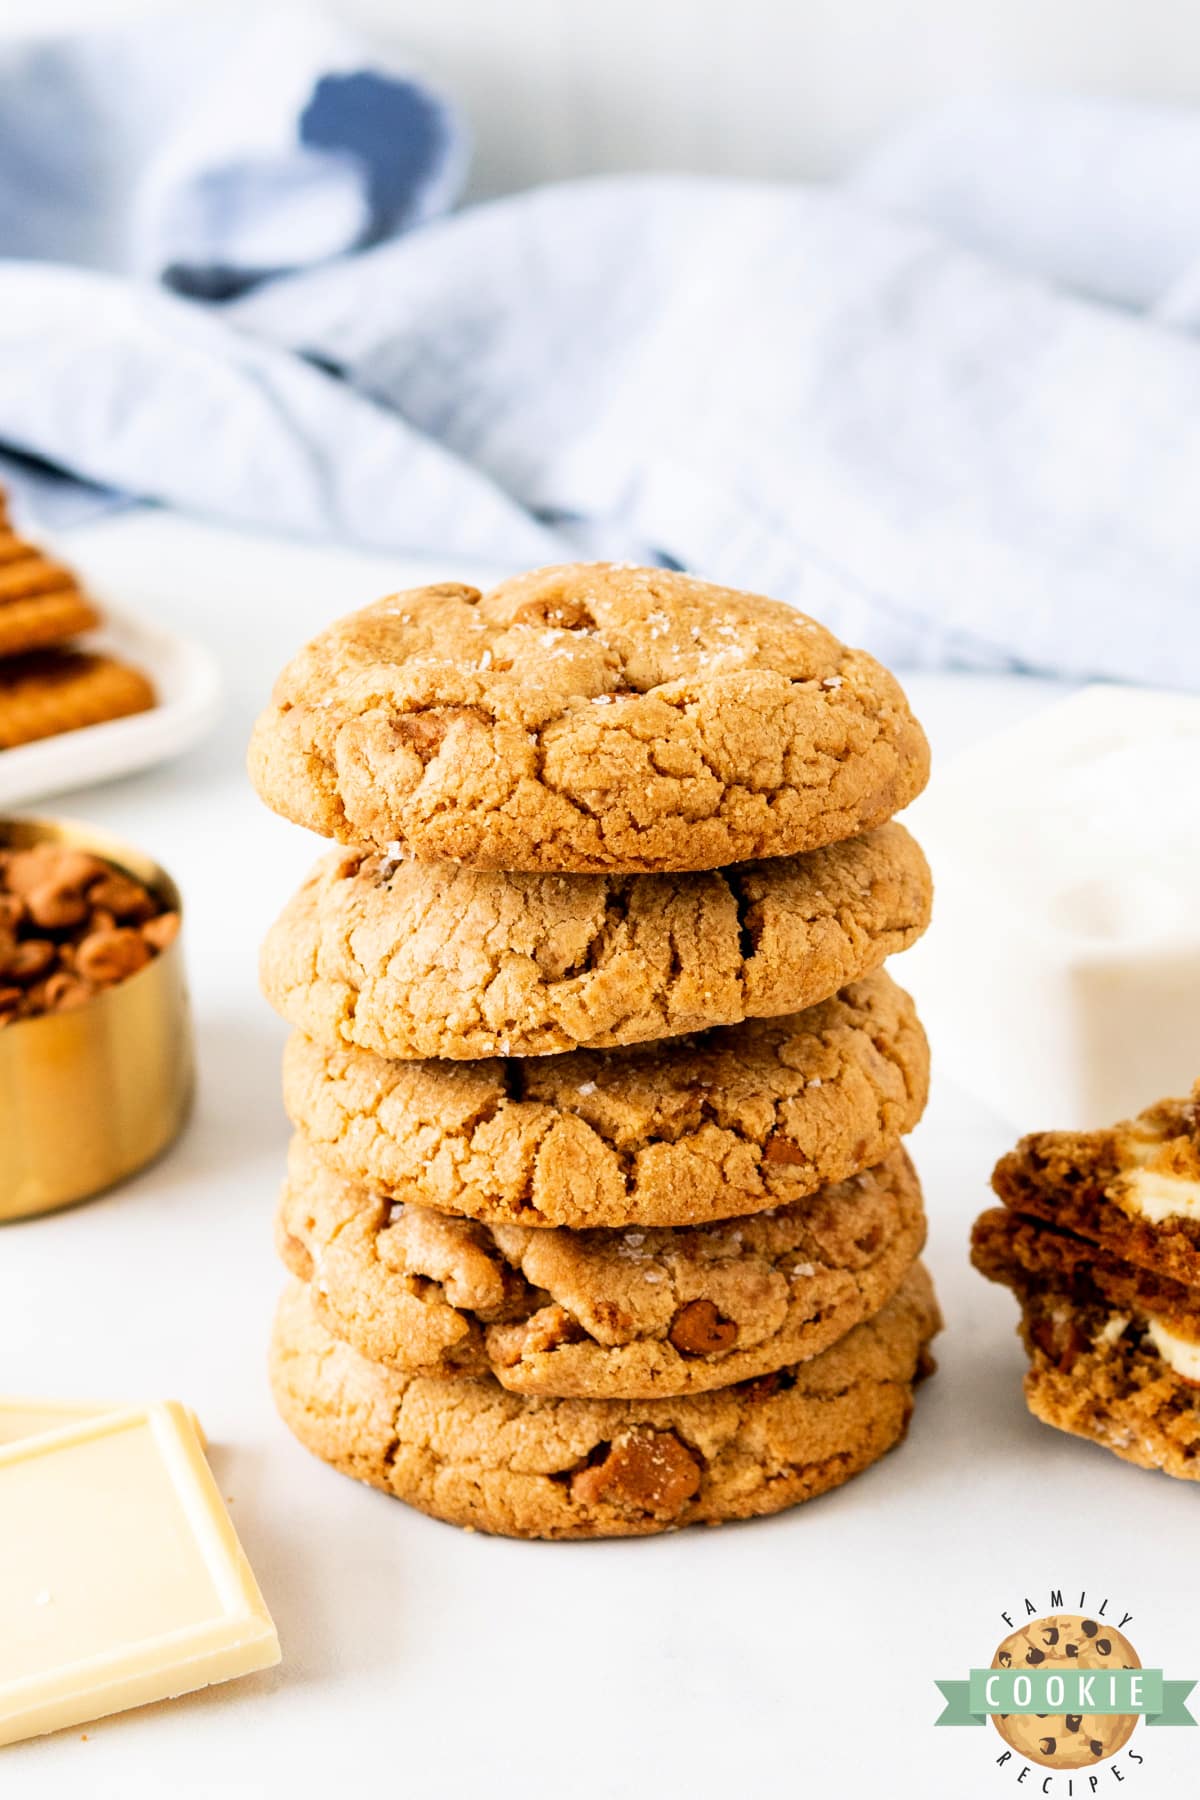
x=1099, y=1239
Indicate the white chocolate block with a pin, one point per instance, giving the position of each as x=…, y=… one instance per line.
x=1061, y=979
x=21, y=1417
x=121, y=1577
x=1179, y=1353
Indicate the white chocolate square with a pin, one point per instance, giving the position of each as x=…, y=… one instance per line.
x=121, y=1577
x=21, y=1417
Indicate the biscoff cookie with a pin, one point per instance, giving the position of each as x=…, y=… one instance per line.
x=698, y=1128
x=417, y=960
x=593, y=718
x=40, y=600
x=1133, y=1188
x=471, y=1453
x=50, y=691
x=629, y=1314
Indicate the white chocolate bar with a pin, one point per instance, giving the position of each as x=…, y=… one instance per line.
x=121, y=1577
x=21, y=1417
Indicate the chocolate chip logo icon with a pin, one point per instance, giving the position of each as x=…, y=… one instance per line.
x=1066, y=1740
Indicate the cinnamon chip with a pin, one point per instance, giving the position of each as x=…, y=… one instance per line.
x=782, y=1150
x=644, y=1471
x=700, y=1330
x=71, y=925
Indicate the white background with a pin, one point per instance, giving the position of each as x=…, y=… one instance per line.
x=792, y=1656
x=758, y=87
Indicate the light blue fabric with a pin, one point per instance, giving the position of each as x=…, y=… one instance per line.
x=982, y=454
x=212, y=147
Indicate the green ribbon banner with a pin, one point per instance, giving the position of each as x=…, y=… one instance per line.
x=1042, y=1692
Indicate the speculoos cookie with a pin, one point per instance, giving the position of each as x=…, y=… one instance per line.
x=41, y=602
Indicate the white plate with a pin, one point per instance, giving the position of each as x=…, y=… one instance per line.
x=188, y=686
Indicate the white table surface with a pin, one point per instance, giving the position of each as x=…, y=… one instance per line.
x=794, y=1655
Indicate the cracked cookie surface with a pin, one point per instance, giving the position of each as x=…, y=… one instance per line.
x=629, y=1314
x=471, y=1453
x=697, y=1128
x=588, y=717
x=414, y=960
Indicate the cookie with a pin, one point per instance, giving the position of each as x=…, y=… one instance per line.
x=625, y=1314
x=475, y=1455
x=736, y=1120
x=1114, y=1346
x=416, y=960
x=51, y=691
x=40, y=600
x=1104, y=1376
x=1066, y=1641
x=1029, y=1256
x=1135, y=1188
x=593, y=718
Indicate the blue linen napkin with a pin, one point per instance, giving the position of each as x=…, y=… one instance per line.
x=213, y=147
x=982, y=454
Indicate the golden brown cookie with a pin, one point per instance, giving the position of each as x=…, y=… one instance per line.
x=40, y=600
x=1027, y=1255
x=1114, y=1346
x=591, y=717
x=1135, y=1188
x=733, y=1121
x=415, y=959
x=473, y=1454
x=1103, y=1375
x=51, y=691
x=629, y=1314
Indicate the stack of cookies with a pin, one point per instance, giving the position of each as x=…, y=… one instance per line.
x=597, y=1207
x=1099, y=1238
x=47, y=683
